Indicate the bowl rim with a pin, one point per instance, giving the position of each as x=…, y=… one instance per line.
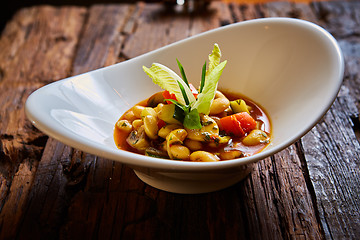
x=138, y=160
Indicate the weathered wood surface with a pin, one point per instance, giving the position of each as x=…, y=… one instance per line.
x=51, y=191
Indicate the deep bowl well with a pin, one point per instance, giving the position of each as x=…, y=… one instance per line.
x=292, y=68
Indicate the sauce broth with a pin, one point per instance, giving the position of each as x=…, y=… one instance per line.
x=235, y=143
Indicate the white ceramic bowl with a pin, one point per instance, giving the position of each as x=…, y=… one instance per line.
x=292, y=68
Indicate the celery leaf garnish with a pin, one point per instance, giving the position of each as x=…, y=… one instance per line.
x=189, y=108
x=169, y=80
x=207, y=93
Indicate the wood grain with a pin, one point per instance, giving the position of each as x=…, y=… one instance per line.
x=37, y=48
x=333, y=163
x=51, y=191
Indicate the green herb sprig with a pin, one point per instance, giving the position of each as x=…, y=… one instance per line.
x=187, y=107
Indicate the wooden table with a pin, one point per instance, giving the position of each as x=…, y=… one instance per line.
x=51, y=191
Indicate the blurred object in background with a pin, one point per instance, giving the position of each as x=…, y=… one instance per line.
x=7, y=11
x=188, y=5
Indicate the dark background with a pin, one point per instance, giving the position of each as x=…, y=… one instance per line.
x=11, y=6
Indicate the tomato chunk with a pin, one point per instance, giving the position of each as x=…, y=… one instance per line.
x=246, y=121
x=237, y=124
x=168, y=95
x=161, y=123
x=231, y=126
x=193, y=90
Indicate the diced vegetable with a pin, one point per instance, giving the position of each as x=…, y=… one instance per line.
x=238, y=106
x=167, y=95
x=237, y=124
x=167, y=114
x=246, y=121
x=137, y=139
x=161, y=123
x=193, y=90
x=153, y=152
x=231, y=126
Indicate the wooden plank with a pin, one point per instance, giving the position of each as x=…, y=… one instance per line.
x=338, y=208
x=335, y=179
x=62, y=170
x=281, y=204
x=126, y=206
x=334, y=162
x=117, y=201
x=276, y=220
x=335, y=135
x=340, y=18
x=160, y=27
x=135, y=210
x=36, y=48
x=155, y=28
x=77, y=195
x=102, y=31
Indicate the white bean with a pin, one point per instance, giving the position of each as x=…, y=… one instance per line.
x=137, y=109
x=124, y=125
x=151, y=128
x=232, y=154
x=255, y=137
x=130, y=116
x=179, y=152
x=165, y=130
x=219, y=105
x=193, y=145
x=203, y=156
x=137, y=123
